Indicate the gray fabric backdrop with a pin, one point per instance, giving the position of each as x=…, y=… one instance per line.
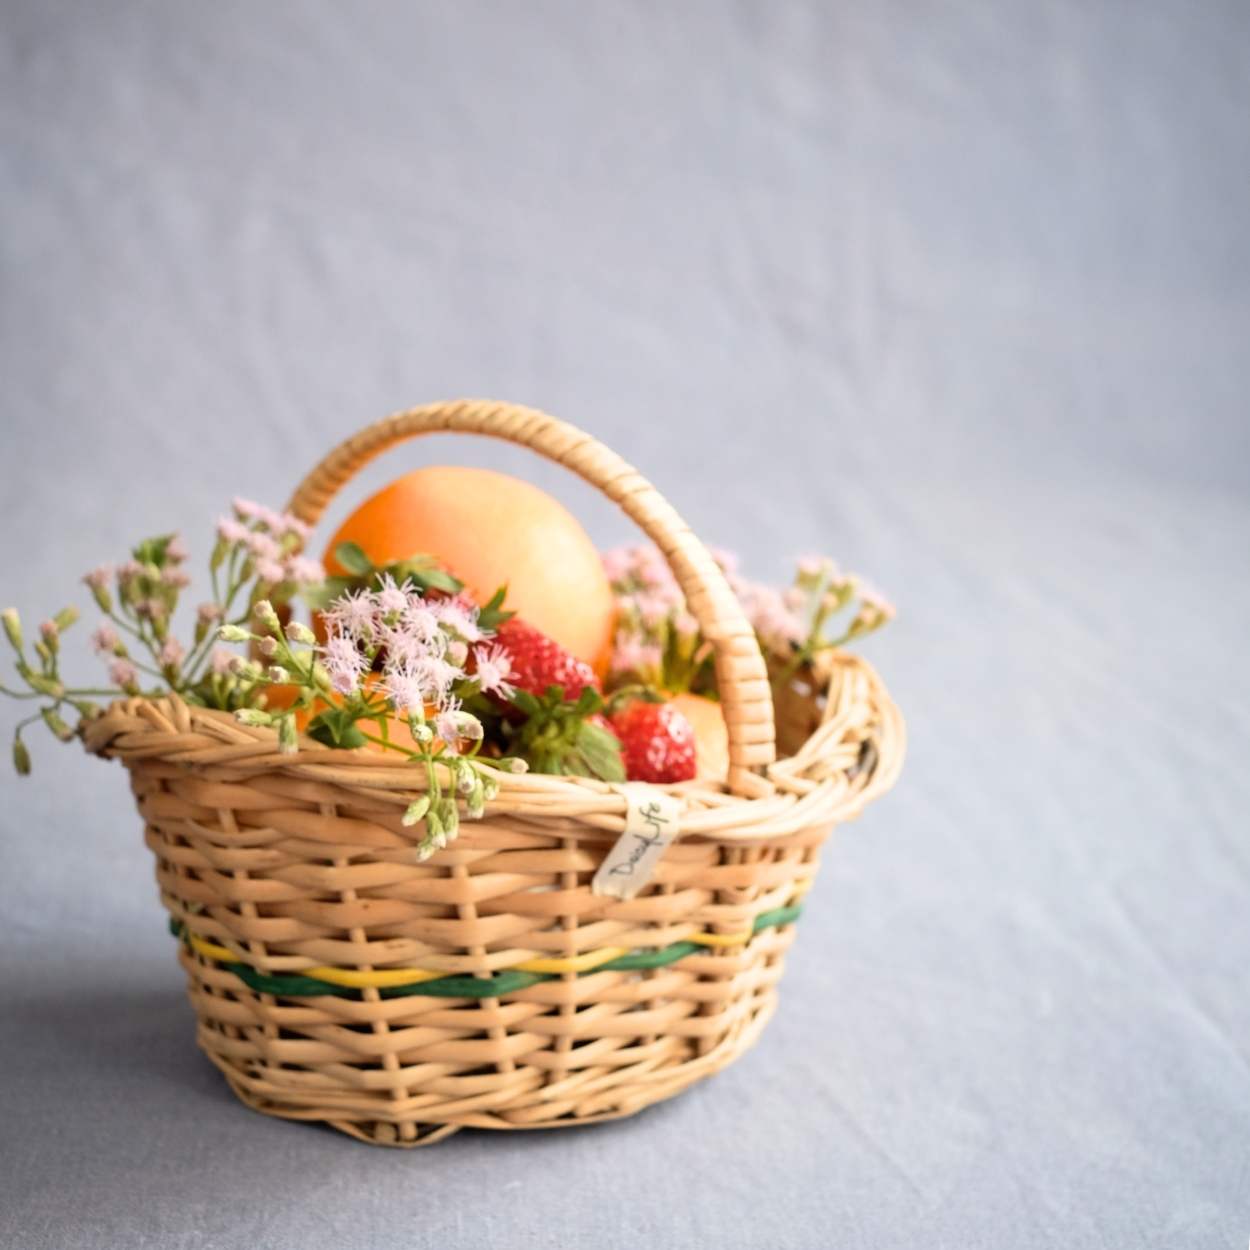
x=958, y=292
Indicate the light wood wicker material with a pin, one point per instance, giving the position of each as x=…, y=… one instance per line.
x=300, y=862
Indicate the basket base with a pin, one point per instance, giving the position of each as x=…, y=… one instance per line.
x=405, y=1128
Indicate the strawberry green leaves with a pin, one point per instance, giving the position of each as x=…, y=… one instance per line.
x=569, y=738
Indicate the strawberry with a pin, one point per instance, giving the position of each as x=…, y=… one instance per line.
x=554, y=718
x=539, y=662
x=657, y=742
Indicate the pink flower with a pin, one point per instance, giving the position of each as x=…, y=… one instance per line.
x=104, y=640
x=176, y=549
x=447, y=724
x=405, y=689
x=436, y=676
x=459, y=618
x=391, y=599
x=404, y=647
x=616, y=563
x=815, y=570
x=777, y=626
x=246, y=509
x=209, y=612
x=419, y=621
x=172, y=653
x=262, y=546
x=49, y=632
x=304, y=571
x=289, y=523
x=351, y=615
x=344, y=664
x=728, y=560
x=220, y=661
x=685, y=624
x=655, y=605
x=270, y=571
x=229, y=530
x=98, y=578
x=153, y=609
x=493, y=666
x=872, y=599
x=794, y=598
x=631, y=655
x=124, y=674
x=176, y=579
x=653, y=570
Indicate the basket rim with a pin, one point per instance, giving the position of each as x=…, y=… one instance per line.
x=819, y=784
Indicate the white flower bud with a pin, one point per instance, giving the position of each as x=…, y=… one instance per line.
x=265, y=614
x=415, y=811
x=12, y=627
x=254, y=717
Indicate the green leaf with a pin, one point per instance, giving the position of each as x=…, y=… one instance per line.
x=601, y=752
x=430, y=579
x=320, y=597
x=336, y=727
x=352, y=557
x=152, y=550
x=492, y=615
x=526, y=703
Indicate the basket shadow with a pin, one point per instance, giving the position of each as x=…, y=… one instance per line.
x=137, y=1044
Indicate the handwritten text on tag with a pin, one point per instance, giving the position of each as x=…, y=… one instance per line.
x=650, y=825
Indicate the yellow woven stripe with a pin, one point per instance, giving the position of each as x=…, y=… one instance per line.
x=383, y=978
x=388, y=978
x=574, y=963
x=719, y=939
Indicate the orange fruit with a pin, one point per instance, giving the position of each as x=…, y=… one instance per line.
x=711, y=735
x=280, y=697
x=491, y=530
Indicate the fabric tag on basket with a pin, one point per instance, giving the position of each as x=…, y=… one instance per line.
x=651, y=823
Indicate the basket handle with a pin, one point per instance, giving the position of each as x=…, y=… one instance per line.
x=742, y=677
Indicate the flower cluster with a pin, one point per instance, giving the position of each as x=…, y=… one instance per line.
x=421, y=648
x=658, y=643
x=391, y=661
x=256, y=555
x=269, y=544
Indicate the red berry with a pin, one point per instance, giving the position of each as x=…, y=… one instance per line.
x=539, y=661
x=657, y=742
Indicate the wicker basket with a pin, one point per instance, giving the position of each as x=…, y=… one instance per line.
x=336, y=978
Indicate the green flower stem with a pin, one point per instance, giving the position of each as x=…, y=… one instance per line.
x=191, y=669
x=391, y=746
x=807, y=652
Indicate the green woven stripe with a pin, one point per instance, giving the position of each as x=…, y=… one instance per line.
x=295, y=986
